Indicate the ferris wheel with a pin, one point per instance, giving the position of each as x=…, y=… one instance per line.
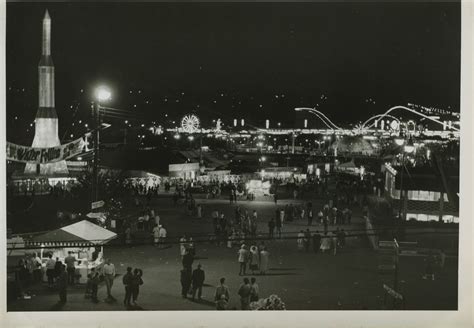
x=190, y=123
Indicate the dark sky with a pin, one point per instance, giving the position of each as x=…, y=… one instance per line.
x=392, y=52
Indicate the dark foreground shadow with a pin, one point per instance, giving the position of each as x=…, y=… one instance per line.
x=135, y=308
x=57, y=307
x=204, y=302
x=284, y=269
x=280, y=274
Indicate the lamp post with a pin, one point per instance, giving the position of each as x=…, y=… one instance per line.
x=101, y=94
x=407, y=149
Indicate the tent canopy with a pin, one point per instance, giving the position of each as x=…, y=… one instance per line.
x=350, y=164
x=79, y=233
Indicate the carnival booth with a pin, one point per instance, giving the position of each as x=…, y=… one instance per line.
x=349, y=168
x=258, y=187
x=145, y=179
x=84, y=239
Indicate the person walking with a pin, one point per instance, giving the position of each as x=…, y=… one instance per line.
x=109, y=276
x=278, y=224
x=222, y=291
x=156, y=235
x=162, y=235
x=127, y=282
x=320, y=217
x=198, y=278
x=300, y=240
x=244, y=293
x=186, y=278
x=429, y=266
x=183, y=246
x=316, y=242
x=271, y=228
x=334, y=242
x=253, y=290
x=310, y=216
x=50, y=265
x=71, y=269
x=135, y=284
x=128, y=236
x=325, y=223
x=325, y=243
x=441, y=259
x=243, y=257
x=254, y=259
x=37, y=270
x=62, y=284
x=264, y=255
x=188, y=260
x=58, y=268
x=95, y=280
x=307, y=240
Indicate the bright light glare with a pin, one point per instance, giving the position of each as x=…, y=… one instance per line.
x=409, y=148
x=103, y=94
x=399, y=141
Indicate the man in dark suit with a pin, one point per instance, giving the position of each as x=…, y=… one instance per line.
x=188, y=260
x=198, y=281
x=127, y=282
x=185, y=282
x=62, y=284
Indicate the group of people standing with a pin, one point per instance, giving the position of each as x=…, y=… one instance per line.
x=324, y=243
x=256, y=258
x=248, y=292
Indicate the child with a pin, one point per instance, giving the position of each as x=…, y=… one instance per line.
x=88, y=292
x=222, y=303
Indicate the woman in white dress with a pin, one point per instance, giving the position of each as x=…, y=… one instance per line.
x=264, y=254
x=326, y=242
x=254, y=259
x=182, y=246
x=300, y=240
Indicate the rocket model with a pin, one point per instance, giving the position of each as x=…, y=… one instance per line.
x=46, y=122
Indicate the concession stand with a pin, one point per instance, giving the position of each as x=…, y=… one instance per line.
x=84, y=239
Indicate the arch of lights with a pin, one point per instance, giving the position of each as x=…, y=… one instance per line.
x=377, y=118
x=330, y=124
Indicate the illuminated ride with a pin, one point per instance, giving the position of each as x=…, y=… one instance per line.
x=190, y=123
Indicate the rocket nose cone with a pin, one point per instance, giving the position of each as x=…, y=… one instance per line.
x=46, y=15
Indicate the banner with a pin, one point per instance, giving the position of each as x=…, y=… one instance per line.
x=44, y=155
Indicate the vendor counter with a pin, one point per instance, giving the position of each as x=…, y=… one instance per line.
x=83, y=268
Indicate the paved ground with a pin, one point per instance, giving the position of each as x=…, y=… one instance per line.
x=305, y=281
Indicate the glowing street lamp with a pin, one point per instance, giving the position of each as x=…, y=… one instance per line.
x=102, y=94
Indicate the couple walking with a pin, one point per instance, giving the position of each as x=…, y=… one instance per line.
x=132, y=282
x=257, y=260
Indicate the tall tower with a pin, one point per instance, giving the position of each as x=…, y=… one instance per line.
x=46, y=122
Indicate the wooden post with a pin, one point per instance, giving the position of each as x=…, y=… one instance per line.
x=441, y=206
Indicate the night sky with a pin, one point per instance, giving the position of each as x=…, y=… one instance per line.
x=238, y=59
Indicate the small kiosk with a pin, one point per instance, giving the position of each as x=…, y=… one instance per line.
x=84, y=239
